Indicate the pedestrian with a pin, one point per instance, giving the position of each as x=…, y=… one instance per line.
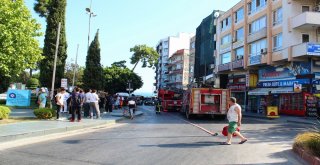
x=117, y=102
x=102, y=101
x=132, y=105
x=94, y=104
x=86, y=105
x=60, y=101
x=76, y=104
x=42, y=99
x=110, y=102
x=234, y=117
x=66, y=101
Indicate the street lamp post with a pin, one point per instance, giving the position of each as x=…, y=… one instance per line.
x=91, y=14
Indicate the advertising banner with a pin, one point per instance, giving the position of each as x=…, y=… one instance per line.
x=286, y=72
x=18, y=98
x=297, y=88
x=282, y=83
x=313, y=49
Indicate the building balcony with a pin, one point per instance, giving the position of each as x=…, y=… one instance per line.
x=224, y=67
x=257, y=60
x=306, y=49
x=237, y=64
x=257, y=35
x=306, y=20
x=237, y=44
x=225, y=48
x=166, y=80
x=166, y=72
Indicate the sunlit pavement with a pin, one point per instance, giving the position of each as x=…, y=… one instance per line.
x=165, y=139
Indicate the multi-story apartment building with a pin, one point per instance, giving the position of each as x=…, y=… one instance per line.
x=192, y=58
x=265, y=48
x=166, y=48
x=178, y=68
x=205, y=45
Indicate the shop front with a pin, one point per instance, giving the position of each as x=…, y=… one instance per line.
x=237, y=86
x=279, y=87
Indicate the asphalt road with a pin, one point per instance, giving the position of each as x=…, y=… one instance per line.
x=164, y=139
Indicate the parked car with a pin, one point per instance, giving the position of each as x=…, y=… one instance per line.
x=139, y=102
x=149, y=102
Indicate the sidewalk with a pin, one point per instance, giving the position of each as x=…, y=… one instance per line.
x=21, y=130
x=284, y=118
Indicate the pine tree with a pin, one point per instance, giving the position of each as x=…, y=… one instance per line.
x=93, y=74
x=55, y=13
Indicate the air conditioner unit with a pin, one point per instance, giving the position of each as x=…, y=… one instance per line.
x=212, y=66
x=263, y=51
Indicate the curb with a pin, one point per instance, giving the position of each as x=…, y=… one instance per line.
x=288, y=121
x=313, y=160
x=53, y=131
x=300, y=122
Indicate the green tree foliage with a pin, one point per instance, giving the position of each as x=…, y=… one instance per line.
x=116, y=79
x=79, y=74
x=33, y=83
x=121, y=64
x=54, y=11
x=93, y=73
x=147, y=55
x=41, y=7
x=19, y=48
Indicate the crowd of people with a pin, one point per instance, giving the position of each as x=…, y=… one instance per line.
x=88, y=102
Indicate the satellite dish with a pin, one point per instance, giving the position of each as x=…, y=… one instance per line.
x=216, y=14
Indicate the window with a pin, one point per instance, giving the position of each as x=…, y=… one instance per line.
x=192, y=45
x=255, y=47
x=226, y=39
x=226, y=58
x=239, y=15
x=239, y=53
x=305, y=8
x=226, y=23
x=165, y=43
x=277, y=16
x=240, y=34
x=165, y=50
x=277, y=42
x=305, y=38
x=257, y=25
x=256, y=5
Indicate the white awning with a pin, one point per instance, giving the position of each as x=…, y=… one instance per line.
x=260, y=91
x=282, y=90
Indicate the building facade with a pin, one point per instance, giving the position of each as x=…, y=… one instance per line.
x=268, y=53
x=191, y=59
x=205, y=45
x=179, y=70
x=166, y=48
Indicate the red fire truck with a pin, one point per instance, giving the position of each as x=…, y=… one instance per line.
x=170, y=100
x=205, y=101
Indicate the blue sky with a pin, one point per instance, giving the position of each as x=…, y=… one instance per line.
x=125, y=23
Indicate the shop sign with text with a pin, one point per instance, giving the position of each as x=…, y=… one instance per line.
x=282, y=83
x=237, y=87
x=289, y=71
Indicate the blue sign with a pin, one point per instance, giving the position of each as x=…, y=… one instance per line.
x=289, y=71
x=282, y=83
x=255, y=60
x=313, y=49
x=316, y=82
x=18, y=98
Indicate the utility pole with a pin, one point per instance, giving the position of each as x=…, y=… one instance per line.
x=75, y=67
x=55, y=62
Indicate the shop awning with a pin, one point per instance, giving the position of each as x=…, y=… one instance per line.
x=260, y=91
x=282, y=90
